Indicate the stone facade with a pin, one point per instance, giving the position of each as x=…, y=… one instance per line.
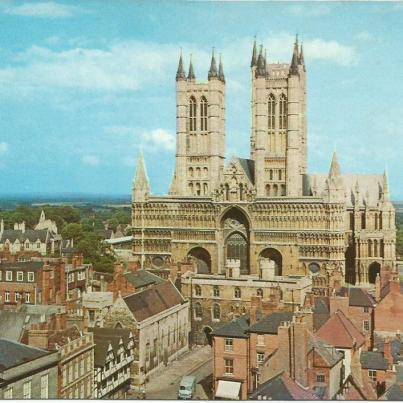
x=266, y=206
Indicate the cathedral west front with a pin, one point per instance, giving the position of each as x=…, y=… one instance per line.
x=266, y=208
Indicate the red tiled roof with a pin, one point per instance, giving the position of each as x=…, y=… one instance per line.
x=153, y=300
x=339, y=331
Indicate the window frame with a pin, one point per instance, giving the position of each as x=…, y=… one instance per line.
x=228, y=344
x=372, y=373
x=20, y=276
x=27, y=390
x=229, y=366
x=260, y=360
x=45, y=392
x=9, y=275
x=31, y=276
x=321, y=378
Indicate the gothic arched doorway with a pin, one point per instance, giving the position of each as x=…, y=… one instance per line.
x=373, y=270
x=275, y=255
x=202, y=259
x=235, y=227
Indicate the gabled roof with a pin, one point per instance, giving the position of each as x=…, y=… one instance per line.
x=32, y=235
x=340, y=332
x=373, y=360
x=270, y=323
x=153, y=300
x=328, y=353
x=365, y=390
x=320, y=308
x=357, y=296
x=142, y=278
x=103, y=337
x=236, y=328
x=13, y=353
x=282, y=387
x=248, y=167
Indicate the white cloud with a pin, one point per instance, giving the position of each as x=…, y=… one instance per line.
x=331, y=51
x=44, y=10
x=3, y=148
x=91, y=160
x=159, y=139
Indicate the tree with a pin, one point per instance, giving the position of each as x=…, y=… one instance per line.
x=73, y=231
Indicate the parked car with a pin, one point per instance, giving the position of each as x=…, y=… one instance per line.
x=187, y=387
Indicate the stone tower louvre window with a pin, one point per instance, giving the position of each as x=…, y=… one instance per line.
x=203, y=114
x=271, y=113
x=283, y=112
x=192, y=114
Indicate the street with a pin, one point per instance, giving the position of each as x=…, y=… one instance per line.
x=197, y=362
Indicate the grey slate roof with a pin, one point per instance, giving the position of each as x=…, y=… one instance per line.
x=236, y=328
x=142, y=278
x=13, y=353
x=30, y=265
x=270, y=323
x=373, y=360
x=11, y=325
x=395, y=392
x=320, y=307
x=328, y=353
x=357, y=296
x=32, y=235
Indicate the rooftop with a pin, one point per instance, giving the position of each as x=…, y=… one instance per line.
x=269, y=324
x=13, y=353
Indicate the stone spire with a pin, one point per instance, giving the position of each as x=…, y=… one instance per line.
x=301, y=60
x=191, y=74
x=221, y=71
x=334, y=166
x=141, y=185
x=253, y=62
x=213, y=73
x=294, y=60
x=385, y=186
x=266, y=66
x=261, y=68
x=180, y=73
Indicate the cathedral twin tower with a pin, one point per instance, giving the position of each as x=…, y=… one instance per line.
x=278, y=137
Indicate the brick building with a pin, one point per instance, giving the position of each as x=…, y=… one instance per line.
x=32, y=282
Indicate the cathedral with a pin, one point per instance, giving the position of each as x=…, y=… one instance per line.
x=266, y=207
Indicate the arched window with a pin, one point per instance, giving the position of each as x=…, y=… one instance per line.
x=198, y=291
x=216, y=311
x=259, y=292
x=191, y=172
x=205, y=189
x=191, y=188
x=240, y=192
x=271, y=174
x=192, y=114
x=267, y=190
x=216, y=291
x=271, y=112
x=275, y=190
x=205, y=172
x=283, y=112
x=363, y=224
x=198, y=189
x=237, y=292
x=369, y=248
x=279, y=174
x=198, y=310
x=203, y=114
x=198, y=172
x=375, y=248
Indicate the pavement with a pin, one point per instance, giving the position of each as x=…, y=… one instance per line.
x=197, y=362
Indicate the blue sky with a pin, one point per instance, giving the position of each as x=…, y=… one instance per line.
x=85, y=84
